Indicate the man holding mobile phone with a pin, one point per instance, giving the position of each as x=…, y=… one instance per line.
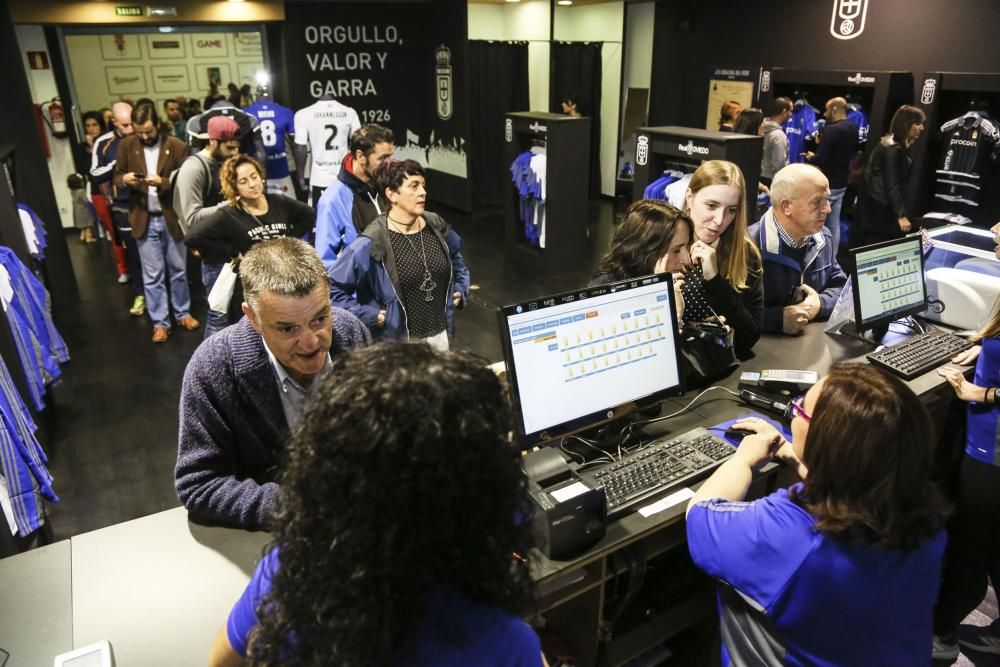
x=145, y=161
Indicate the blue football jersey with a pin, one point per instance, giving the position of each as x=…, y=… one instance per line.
x=856, y=115
x=275, y=122
x=799, y=126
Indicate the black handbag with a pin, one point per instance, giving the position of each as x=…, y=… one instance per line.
x=707, y=352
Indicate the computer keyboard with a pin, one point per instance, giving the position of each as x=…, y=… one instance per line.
x=657, y=468
x=919, y=354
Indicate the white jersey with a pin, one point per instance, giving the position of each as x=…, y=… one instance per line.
x=325, y=127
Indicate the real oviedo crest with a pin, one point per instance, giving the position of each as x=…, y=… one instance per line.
x=443, y=82
x=848, y=19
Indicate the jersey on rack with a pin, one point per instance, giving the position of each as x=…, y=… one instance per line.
x=856, y=115
x=968, y=142
x=801, y=125
x=275, y=122
x=325, y=127
x=528, y=174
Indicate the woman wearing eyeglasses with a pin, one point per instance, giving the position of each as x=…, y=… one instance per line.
x=842, y=568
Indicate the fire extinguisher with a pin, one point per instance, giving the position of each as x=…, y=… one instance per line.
x=55, y=118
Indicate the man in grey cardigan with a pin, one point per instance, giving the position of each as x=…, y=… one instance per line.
x=245, y=388
x=775, y=142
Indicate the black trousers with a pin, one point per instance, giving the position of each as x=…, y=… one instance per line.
x=120, y=219
x=973, y=554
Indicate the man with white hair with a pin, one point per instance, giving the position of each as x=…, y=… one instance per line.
x=802, y=280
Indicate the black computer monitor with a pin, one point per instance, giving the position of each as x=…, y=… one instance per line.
x=888, y=283
x=579, y=359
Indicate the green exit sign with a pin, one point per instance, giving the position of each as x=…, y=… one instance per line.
x=129, y=11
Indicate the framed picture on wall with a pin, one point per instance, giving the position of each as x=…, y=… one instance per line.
x=209, y=44
x=247, y=44
x=126, y=80
x=218, y=72
x=121, y=47
x=165, y=47
x=170, y=78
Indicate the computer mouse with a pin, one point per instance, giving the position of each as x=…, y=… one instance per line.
x=738, y=434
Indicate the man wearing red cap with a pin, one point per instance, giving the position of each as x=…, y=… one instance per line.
x=198, y=194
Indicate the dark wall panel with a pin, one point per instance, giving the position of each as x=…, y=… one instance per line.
x=906, y=35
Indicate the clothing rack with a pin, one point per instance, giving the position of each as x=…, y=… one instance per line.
x=567, y=147
x=687, y=147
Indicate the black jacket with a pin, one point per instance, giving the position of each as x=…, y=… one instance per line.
x=886, y=174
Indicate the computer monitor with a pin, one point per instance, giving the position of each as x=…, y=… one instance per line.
x=888, y=282
x=579, y=359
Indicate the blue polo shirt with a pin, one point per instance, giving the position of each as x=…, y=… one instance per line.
x=981, y=443
x=793, y=596
x=455, y=631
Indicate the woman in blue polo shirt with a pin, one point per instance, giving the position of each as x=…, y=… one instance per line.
x=842, y=568
x=395, y=543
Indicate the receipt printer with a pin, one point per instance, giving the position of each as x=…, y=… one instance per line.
x=569, y=515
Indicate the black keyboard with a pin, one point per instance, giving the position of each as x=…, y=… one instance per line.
x=919, y=354
x=657, y=468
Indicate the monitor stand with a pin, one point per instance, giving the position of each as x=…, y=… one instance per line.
x=873, y=336
x=608, y=436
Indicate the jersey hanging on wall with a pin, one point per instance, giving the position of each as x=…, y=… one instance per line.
x=275, y=122
x=325, y=127
x=799, y=126
x=968, y=141
x=856, y=115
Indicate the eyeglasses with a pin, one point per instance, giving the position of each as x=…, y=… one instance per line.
x=798, y=410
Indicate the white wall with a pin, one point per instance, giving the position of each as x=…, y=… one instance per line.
x=639, y=46
x=43, y=88
x=523, y=21
x=600, y=23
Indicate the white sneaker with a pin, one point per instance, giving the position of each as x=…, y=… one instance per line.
x=122, y=279
x=983, y=639
x=942, y=649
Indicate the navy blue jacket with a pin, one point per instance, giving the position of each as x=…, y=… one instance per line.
x=783, y=274
x=102, y=168
x=364, y=280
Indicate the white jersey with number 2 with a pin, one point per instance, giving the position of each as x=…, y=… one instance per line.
x=325, y=127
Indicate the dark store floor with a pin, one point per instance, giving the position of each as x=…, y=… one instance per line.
x=113, y=419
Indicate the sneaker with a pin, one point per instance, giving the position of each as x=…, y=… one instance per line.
x=944, y=648
x=138, y=308
x=160, y=334
x=984, y=639
x=122, y=279
x=188, y=323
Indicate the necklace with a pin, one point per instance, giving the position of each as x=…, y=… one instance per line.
x=401, y=225
x=427, y=285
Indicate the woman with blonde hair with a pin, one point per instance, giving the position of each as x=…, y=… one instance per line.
x=725, y=277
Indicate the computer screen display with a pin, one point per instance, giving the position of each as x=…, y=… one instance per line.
x=888, y=282
x=580, y=358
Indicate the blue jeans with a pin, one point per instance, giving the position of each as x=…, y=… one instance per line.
x=833, y=218
x=214, y=322
x=163, y=259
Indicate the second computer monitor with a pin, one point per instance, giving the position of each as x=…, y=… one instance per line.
x=888, y=282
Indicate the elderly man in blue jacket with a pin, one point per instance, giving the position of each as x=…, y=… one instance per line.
x=802, y=279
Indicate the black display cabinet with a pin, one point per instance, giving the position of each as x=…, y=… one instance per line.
x=879, y=93
x=944, y=96
x=567, y=148
x=660, y=148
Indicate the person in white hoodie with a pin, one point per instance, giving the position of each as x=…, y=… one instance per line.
x=775, y=141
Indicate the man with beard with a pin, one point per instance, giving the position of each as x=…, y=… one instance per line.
x=352, y=201
x=175, y=117
x=145, y=161
x=199, y=195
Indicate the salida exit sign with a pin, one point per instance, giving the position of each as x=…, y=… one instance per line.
x=129, y=11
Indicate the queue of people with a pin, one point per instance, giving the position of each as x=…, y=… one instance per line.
x=329, y=364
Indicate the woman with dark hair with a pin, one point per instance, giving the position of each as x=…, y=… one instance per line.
x=404, y=277
x=570, y=105
x=749, y=121
x=94, y=126
x=396, y=539
x=883, y=210
x=653, y=237
x=725, y=278
x=842, y=568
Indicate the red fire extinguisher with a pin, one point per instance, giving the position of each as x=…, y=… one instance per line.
x=55, y=118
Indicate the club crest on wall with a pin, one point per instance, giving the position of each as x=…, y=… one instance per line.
x=848, y=19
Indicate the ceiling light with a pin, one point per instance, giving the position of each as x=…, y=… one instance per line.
x=512, y=0
x=564, y=3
